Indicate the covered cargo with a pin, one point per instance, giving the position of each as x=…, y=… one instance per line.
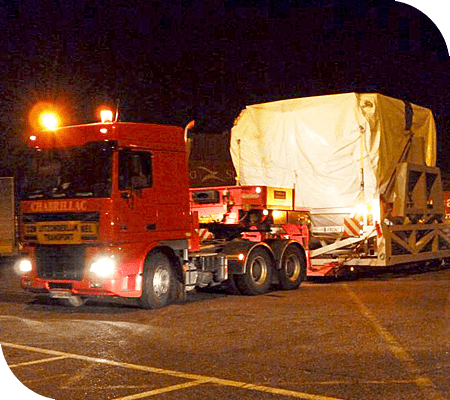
x=341, y=152
x=335, y=150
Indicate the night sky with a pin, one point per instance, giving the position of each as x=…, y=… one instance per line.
x=178, y=60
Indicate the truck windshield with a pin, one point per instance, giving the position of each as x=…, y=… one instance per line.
x=70, y=172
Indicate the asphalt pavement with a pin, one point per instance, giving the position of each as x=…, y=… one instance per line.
x=383, y=336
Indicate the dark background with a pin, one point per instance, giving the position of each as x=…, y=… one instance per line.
x=178, y=60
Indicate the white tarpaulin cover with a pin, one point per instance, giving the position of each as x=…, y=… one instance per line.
x=313, y=144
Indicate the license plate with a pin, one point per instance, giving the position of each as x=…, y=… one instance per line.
x=60, y=294
x=328, y=229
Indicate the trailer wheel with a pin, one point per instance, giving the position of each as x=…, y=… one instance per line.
x=258, y=274
x=157, y=282
x=293, y=268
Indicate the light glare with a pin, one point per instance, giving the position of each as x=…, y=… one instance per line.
x=103, y=267
x=277, y=213
x=25, y=266
x=362, y=209
x=106, y=115
x=49, y=121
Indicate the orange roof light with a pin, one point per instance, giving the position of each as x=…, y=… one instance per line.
x=106, y=115
x=49, y=121
x=45, y=115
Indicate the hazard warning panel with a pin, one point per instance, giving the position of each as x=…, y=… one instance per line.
x=352, y=227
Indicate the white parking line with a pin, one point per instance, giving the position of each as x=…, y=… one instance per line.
x=197, y=379
x=424, y=383
x=42, y=360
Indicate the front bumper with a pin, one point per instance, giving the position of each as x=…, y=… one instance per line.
x=60, y=272
x=127, y=286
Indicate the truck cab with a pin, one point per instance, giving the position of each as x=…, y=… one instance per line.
x=99, y=195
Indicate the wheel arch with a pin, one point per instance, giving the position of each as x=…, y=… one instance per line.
x=171, y=254
x=264, y=246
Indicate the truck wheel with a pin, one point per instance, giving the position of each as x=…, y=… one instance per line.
x=157, y=282
x=258, y=274
x=293, y=267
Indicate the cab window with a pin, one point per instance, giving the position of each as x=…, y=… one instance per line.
x=135, y=169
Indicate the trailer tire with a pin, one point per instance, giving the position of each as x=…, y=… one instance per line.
x=258, y=274
x=158, y=282
x=293, y=269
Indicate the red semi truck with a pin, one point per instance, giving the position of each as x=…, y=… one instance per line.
x=106, y=211
x=325, y=185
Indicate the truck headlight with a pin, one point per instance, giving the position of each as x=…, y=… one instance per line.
x=103, y=267
x=25, y=265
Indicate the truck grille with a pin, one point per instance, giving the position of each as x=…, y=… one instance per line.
x=60, y=262
x=47, y=217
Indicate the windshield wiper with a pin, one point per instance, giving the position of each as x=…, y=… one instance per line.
x=35, y=196
x=84, y=194
x=60, y=190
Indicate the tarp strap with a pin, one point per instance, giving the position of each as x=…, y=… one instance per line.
x=409, y=112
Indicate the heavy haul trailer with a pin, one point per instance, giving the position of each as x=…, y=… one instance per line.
x=364, y=164
x=105, y=211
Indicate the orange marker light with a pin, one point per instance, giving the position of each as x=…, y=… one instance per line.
x=49, y=121
x=106, y=116
x=47, y=116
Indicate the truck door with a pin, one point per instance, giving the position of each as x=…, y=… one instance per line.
x=137, y=210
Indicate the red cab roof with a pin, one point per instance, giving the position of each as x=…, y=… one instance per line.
x=126, y=134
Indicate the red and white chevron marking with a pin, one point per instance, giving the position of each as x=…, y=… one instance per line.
x=352, y=227
x=205, y=234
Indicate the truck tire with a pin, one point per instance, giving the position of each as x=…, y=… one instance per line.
x=258, y=274
x=293, y=269
x=157, y=282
